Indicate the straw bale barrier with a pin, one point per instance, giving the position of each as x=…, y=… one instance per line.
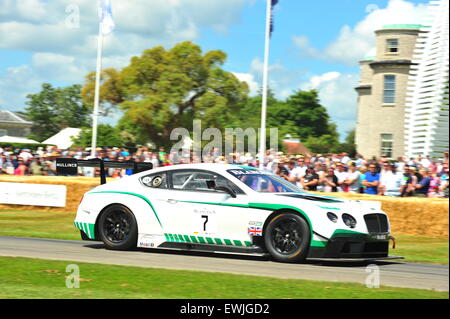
x=408, y=216
x=411, y=215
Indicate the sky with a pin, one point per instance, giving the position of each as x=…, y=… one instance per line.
x=314, y=45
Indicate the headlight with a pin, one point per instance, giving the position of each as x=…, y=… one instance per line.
x=332, y=217
x=349, y=220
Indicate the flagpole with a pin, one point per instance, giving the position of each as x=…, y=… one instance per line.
x=262, y=135
x=97, y=90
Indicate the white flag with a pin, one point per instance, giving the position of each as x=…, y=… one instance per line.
x=105, y=15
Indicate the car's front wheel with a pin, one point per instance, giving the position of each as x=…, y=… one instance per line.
x=117, y=228
x=287, y=237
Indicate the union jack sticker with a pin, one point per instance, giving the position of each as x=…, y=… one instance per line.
x=255, y=230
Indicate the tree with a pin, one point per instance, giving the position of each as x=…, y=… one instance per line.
x=349, y=145
x=250, y=116
x=306, y=116
x=324, y=144
x=164, y=89
x=53, y=109
x=301, y=116
x=107, y=136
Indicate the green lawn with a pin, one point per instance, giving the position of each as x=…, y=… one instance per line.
x=59, y=225
x=38, y=278
x=422, y=249
x=42, y=224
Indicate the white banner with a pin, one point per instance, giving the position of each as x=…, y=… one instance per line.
x=33, y=194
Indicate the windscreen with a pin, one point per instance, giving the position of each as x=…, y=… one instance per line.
x=264, y=182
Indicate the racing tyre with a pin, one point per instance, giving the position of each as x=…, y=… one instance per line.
x=117, y=228
x=287, y=238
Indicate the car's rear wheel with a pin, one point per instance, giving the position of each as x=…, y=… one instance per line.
x=117, y=228
x=287, y=238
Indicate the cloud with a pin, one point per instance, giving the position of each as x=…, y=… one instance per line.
x=47, y=26
x=15, y=84
x=62, y=36
x=352, y=43
x=336, y=90
x=282, y=80
x=337, y=94
x=317, y=80
x=250, y=80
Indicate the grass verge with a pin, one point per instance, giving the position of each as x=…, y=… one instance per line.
x=422, y=249
x=41, y=224
x=59, y=225
x=38, y=278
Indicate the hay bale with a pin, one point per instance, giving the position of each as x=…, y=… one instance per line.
x=411, y=215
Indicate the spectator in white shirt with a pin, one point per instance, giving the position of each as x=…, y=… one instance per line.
x=296, y=173
x=353, y=180
x=391, y=182
x=341, y=174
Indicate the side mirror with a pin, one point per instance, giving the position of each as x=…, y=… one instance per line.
x=211, y=184
x=229, y=191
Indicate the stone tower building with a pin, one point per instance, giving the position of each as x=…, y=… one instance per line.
x=382, y=89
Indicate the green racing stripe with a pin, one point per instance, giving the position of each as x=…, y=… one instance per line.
x=177, y=238
x=132, y=194
x=88, y=229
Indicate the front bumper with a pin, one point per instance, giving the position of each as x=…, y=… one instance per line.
x=363, y=246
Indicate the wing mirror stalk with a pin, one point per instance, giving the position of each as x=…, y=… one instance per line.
x=229, y=191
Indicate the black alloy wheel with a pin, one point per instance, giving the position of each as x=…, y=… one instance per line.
x=118, y=228
x=287, y=238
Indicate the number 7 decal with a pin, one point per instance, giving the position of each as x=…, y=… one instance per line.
x=206, y=220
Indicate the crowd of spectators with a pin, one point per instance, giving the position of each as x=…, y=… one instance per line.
x=422, y=176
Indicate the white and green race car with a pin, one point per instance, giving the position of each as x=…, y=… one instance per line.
x=230, y=208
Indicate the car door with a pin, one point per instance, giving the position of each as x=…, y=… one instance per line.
x=204, y=215
x=155, y=189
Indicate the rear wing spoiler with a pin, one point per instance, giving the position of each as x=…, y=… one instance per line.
x=69, y=166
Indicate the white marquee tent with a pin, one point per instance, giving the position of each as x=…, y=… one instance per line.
x=63, y=139
x=14, y=139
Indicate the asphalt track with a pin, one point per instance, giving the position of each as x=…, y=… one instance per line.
x=397, y=274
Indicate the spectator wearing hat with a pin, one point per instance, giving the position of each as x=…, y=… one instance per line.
x=299, y=171
x=26, y=155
